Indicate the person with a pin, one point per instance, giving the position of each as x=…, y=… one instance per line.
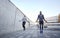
x=41, y=20
x=24, y=20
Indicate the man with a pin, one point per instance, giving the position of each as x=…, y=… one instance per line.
x=24, y=20
x=41, y=20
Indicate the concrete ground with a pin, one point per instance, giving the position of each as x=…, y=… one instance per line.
x=34, y=32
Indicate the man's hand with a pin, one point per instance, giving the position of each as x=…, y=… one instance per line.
x=45, y=21
x=36, y=21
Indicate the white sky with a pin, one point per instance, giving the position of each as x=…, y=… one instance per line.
x=31, y=8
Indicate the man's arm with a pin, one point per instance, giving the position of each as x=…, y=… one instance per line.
x=37, y=18
x=26, y=20
x=44, y=19
x=21, y=20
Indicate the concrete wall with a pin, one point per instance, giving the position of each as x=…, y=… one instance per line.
x=9, y=17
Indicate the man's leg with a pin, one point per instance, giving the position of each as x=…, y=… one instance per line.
x=42, y=24
x=24, y=25
x=40, y=27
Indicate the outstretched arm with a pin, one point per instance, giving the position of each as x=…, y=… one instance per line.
x=20, y=20
x=28, y=22
x=37, y=19
x=45, y=20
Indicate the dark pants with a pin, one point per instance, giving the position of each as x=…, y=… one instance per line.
x=41, y=25
x=23, y=24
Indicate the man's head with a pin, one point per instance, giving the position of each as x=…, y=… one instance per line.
x=40, y=12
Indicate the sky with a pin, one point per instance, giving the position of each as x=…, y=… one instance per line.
x=31, y=8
